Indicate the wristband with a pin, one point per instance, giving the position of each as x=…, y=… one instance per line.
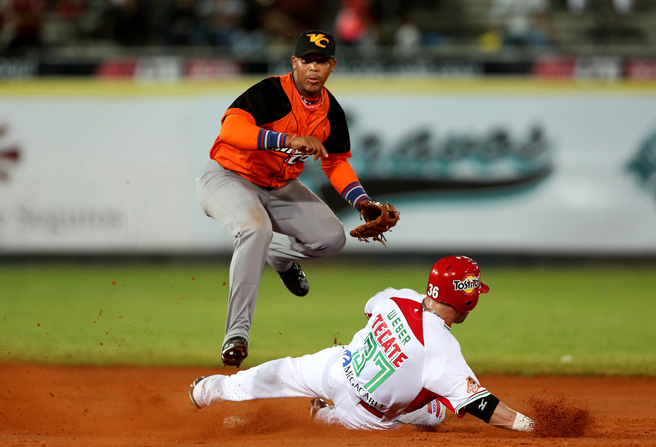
x=354, y=194
x=268, y=139
x=484, y=407
x=523, y=423
x=292, y=139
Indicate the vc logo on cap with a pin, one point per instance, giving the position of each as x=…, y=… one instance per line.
x=317, y=39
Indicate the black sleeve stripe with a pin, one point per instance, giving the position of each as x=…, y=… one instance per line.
x=266, y=101
x=483, y=408
x=339, y=141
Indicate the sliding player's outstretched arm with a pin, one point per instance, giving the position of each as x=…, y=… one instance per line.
x=494, y=412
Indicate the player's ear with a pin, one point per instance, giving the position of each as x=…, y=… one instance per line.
x=334, y=62
x=293, y=61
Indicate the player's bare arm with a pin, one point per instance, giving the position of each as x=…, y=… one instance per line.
x=494, y=412
x=308, y=145
x=505, y=417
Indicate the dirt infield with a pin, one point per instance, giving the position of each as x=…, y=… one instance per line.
x=128, y=406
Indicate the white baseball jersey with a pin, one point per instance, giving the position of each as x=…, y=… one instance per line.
x=404, y=358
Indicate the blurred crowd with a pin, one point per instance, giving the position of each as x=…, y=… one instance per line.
x=234, y=26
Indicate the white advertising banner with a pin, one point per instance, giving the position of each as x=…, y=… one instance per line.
x=102, y=175
x=524, y=173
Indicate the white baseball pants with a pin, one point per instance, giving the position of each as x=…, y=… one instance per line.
x=317, y=375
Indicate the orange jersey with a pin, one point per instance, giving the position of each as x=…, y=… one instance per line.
x=254, y=128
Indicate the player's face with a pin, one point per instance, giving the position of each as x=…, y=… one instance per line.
x=311, y=73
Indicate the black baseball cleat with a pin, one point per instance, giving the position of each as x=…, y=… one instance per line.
x=295, y=281
x=234, y=351
x=191, y=393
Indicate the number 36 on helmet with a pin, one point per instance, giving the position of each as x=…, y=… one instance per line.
x=456, y=281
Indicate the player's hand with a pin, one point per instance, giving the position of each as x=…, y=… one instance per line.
x=309, y=146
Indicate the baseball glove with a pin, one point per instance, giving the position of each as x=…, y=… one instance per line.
x=379, y=217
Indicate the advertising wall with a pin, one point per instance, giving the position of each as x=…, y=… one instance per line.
x=543, y=171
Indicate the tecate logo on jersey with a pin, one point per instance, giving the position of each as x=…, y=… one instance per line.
x=467, y=285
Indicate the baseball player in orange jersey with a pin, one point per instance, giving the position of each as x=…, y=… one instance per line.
x=403, y=367
x=250, y=184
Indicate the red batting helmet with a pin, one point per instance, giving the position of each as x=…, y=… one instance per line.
x=456, y=281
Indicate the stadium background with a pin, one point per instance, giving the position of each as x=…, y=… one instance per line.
x=527, y=144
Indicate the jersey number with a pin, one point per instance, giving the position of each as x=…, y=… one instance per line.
x=386, y=370
x=360, y=359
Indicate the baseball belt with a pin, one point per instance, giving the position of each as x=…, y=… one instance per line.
x=371, y=409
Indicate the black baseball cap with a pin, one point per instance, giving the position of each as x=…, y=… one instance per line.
x=316, y=42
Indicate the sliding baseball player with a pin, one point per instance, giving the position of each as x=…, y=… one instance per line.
x=405, y=366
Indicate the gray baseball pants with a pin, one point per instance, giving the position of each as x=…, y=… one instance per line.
x=277, y=226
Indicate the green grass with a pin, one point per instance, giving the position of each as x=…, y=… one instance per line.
x=158, y=315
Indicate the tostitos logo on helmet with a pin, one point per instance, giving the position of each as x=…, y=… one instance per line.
x=468, y=284
x=456, y=281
